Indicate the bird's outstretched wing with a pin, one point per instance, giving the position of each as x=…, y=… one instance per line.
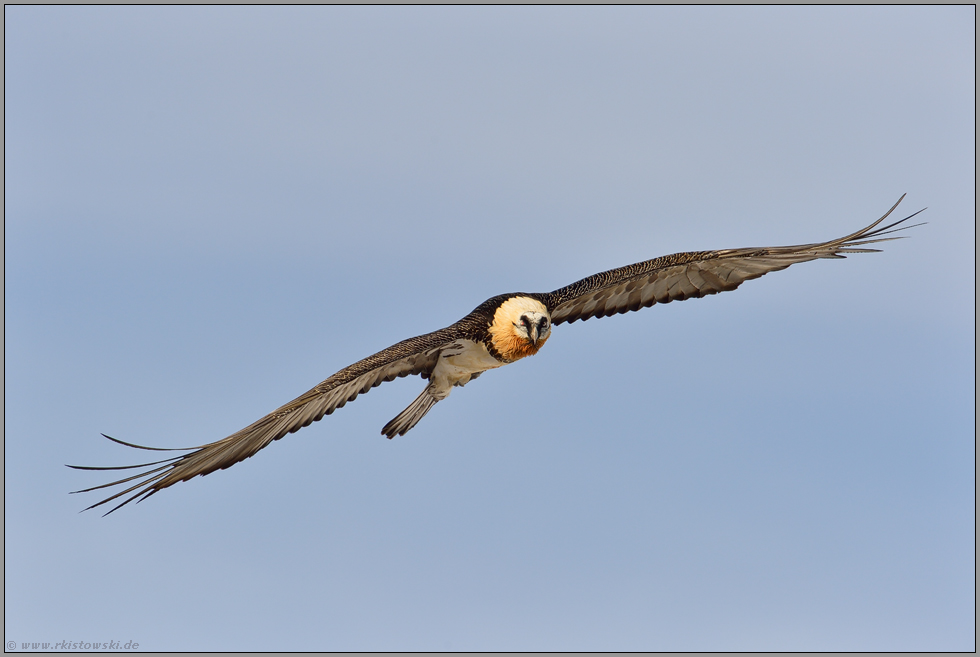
x=413, y=356
x=696, y=274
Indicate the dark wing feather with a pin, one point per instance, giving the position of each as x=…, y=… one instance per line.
x=413, y=356
x=696, y=274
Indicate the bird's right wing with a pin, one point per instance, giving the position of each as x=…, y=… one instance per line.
x=696, y=274
x=413, y=356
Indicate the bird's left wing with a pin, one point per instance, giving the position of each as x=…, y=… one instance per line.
x=696, y=274
x=413, y=356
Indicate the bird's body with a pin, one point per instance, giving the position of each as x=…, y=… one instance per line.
x=490, y=342
x=500, y=331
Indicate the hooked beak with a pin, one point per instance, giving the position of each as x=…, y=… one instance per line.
x=532, y=335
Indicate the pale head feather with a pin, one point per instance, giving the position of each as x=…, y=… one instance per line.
x=509, y=337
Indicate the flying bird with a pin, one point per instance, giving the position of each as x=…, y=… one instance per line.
x=500, y=331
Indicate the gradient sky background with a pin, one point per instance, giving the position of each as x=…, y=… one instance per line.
x=210, y=210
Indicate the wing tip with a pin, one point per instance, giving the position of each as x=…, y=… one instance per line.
x=152, y=449
x=144, y=488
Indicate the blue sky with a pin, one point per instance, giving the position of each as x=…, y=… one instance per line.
x=210, y=210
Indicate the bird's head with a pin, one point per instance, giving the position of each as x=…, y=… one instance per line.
x=521, y=325
x=533, y=326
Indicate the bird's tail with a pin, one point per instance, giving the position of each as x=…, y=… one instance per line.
x=411, y=415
